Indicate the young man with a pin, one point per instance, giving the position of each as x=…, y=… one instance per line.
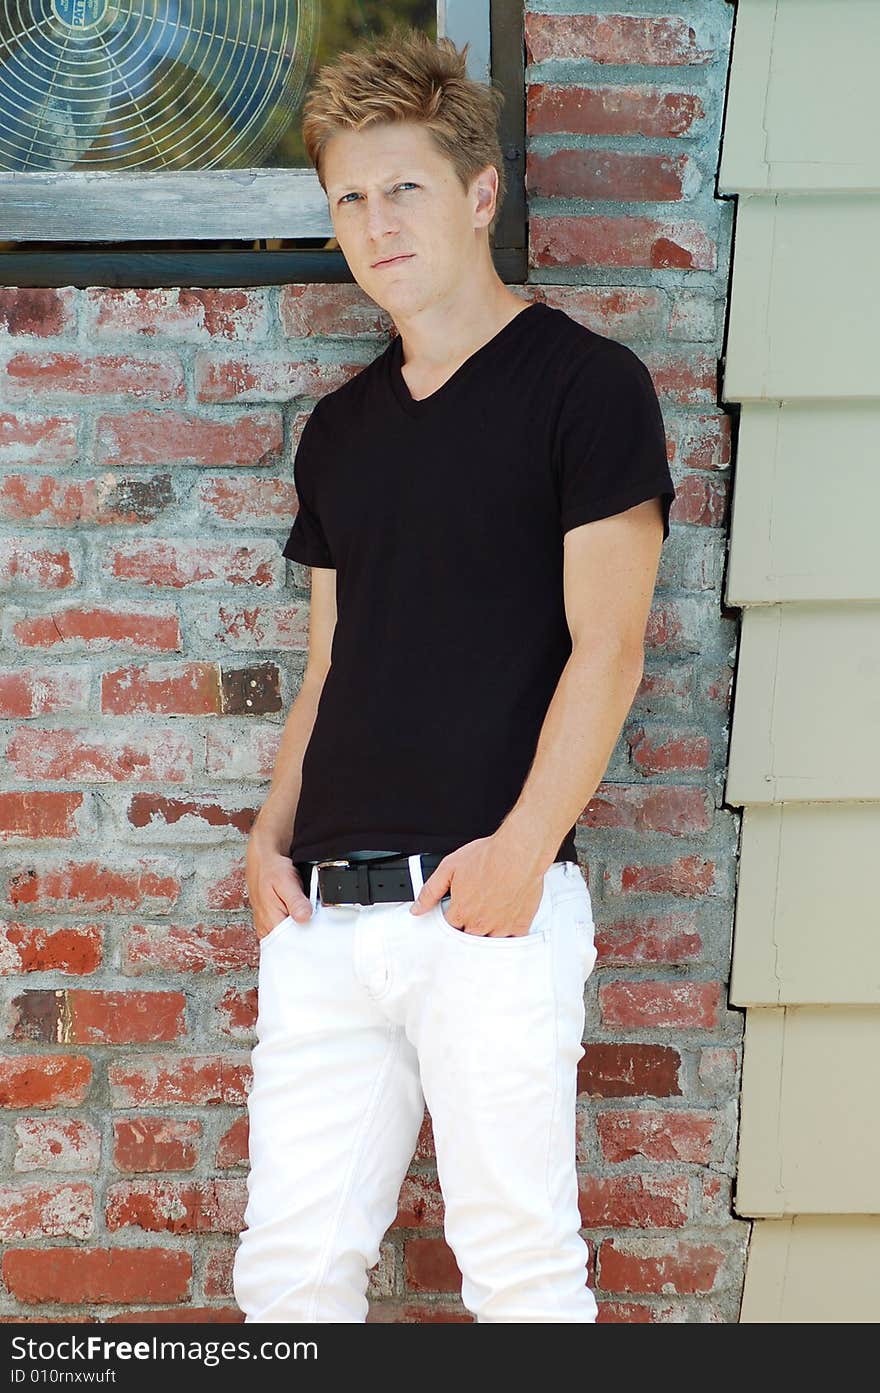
x=483, y=507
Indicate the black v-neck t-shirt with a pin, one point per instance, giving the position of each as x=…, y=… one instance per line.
x=443, y=519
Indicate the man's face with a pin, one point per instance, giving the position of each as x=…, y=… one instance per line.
x=392, y=193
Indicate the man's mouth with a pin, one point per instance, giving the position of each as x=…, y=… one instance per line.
x=392, y=260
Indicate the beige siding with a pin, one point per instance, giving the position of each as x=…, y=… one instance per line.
x=802, y=100
x=813, y=1270
x=806, y=719
x=810, y=1118
x=805, y=298
x=808, y=912
x=800, y=152
x=826, y=456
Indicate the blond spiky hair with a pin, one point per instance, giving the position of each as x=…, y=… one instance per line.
x=405, y=76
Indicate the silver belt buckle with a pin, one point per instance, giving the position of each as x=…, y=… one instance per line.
x=320, y=866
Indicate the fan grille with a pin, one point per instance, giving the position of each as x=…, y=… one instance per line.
x=150, y=84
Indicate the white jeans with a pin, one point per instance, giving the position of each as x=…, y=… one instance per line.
x=365, y=1014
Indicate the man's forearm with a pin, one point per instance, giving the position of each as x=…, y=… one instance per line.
x=273, y=825
x=579, y=733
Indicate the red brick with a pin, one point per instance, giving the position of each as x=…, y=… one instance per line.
x=425, y=1151
x=185, y=313
x=655, y=750
x=228, y=890
x=246, y=500
x=680, y=1005
x=646, y=111
x=35, y=1211
x=612, y=174
x=76, y=1017
x=150, y=809
x=177, y=564
x=270, y=625
x=36, y=566
x=692, y=876
x=693, y=315
x=218, y=1271
x=675, y=627
x=701, y=501
x=601, y=240
x=49, y=501
x=636, y=311
x=57, y=1143
x=329, y=311
x=418, y=1313
x=275, y=377
x=700, y=442
x=37, y=441
x=181, y=948
x=664, y=1268
x=197, y=1081
x=180, y=689
x=211, y=1206
x=44, y=1080
x=686, y=378
x=624, y=1313
x=681, y=810
x=634, y=1201
x=27, y=947
x=112, y=1275
x=716, y=1202
x=671, y=938
x=250, y=754
x=430, y=1265
x=629, y=1071
x=718, y=1068
x=36, y=813
x=38, y=311
x=232, y=1148
x=80, y=626
x=155, y=1144
x=183, y=439
x=664, y=40
x=84, y=375
x=89, y=883
x=35, y=691
x=420, y=1203
x=236, y=1012
x=187, y=1315
x=101, y=754
x=667, y=1135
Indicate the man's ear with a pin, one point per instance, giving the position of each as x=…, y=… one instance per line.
x=485, y=189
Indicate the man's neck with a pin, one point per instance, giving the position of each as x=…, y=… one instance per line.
x=437, y=339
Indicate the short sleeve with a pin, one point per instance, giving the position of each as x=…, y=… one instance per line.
x=306, y=541
x=610, y=439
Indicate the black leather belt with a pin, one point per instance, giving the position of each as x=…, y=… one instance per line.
x=378, y=881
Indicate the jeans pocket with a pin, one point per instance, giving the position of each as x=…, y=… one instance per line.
x=273, y=933
x=536, y=933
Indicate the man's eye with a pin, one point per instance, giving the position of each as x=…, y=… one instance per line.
x=347, y=196
x=407, y=184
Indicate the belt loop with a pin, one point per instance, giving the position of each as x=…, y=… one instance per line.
x=313, y=889
x=415, y=871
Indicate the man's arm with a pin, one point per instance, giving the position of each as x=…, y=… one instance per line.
x=273, y=825
x=273, y=885
x=610, y=570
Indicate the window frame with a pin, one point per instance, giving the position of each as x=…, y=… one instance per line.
x=500, y=50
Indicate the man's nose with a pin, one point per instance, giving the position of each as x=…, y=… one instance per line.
x=380, y=218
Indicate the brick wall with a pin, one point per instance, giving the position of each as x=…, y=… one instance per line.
x=154, y=638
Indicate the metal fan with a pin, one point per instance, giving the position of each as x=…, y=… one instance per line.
x=150, y=84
